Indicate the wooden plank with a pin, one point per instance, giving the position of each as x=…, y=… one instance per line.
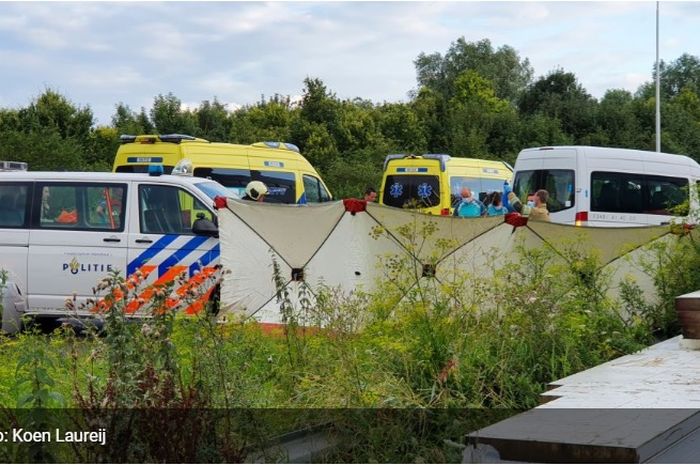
x=588, y=435
x=630, y=409
x=688, y=311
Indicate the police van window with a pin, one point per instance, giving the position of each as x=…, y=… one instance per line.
x=169, y=210
x=559, y=184
x=167, y=169
x=14, y=204
x=234, y=179
x=105, y=207
x=281, y=186
x=81, y=206
x=411, y=191
x=213, y=189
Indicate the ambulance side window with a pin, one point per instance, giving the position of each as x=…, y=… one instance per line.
x=281, y=185
x=314, y=190
x=311, y=189
x=325, y=196
x=169, y=210
x=235, y=180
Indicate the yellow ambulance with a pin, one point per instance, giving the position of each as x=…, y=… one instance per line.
x=290, y=178
x=432, y=182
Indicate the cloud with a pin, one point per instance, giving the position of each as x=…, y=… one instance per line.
x=105, y=52
x=163, y=42
x=116, y=78
x=12, y=23
x=54, y=25
x=632, y=81
x=21, y=62
x=245, y=18
x=221, y=84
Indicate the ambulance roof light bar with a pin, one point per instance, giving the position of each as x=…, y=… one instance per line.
x=153, y=138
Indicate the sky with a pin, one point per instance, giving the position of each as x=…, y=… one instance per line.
x=99, y=54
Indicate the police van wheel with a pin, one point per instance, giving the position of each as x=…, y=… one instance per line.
x=214, y=302
x=44, y=325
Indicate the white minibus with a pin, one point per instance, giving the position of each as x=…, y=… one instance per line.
x=598, y=186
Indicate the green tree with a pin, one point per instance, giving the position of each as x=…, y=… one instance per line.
x=9, y=120
x=559, y=95
x=126, y=121
x=471, y=115
x=318, y=123
x=617, y=123
x=503, y=139
x=680, y=131
x=675, y=76
x=349, y=178
x=271, y=120
x=168, y=117
x=431, y=109
x=43, y=150
x=684, y=72
x=401, y=127
x=539, y=130
x=213, y=121
x=102, y=147
x=318, y=105
x=503, y=67
x=356, y=127
x=51, y=133
x=52, y=110
x=319, y=146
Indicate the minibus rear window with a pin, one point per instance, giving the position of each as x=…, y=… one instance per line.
x=411, y=191
x=559, y=184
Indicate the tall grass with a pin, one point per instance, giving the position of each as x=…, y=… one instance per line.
x=488, y=343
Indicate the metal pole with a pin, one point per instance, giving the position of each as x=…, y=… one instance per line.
x=658, y=80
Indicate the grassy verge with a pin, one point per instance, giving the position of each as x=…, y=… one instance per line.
x=489, y=344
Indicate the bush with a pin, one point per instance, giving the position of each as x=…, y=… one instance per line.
x=475, y=348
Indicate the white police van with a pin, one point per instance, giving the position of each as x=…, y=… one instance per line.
x=61, y=233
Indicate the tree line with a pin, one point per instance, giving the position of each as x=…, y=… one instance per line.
x=474, y=100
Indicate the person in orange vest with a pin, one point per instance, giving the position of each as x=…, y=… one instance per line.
x=67, y=216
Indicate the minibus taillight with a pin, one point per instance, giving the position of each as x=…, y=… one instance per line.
x=580, y=218
x=445, y=212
